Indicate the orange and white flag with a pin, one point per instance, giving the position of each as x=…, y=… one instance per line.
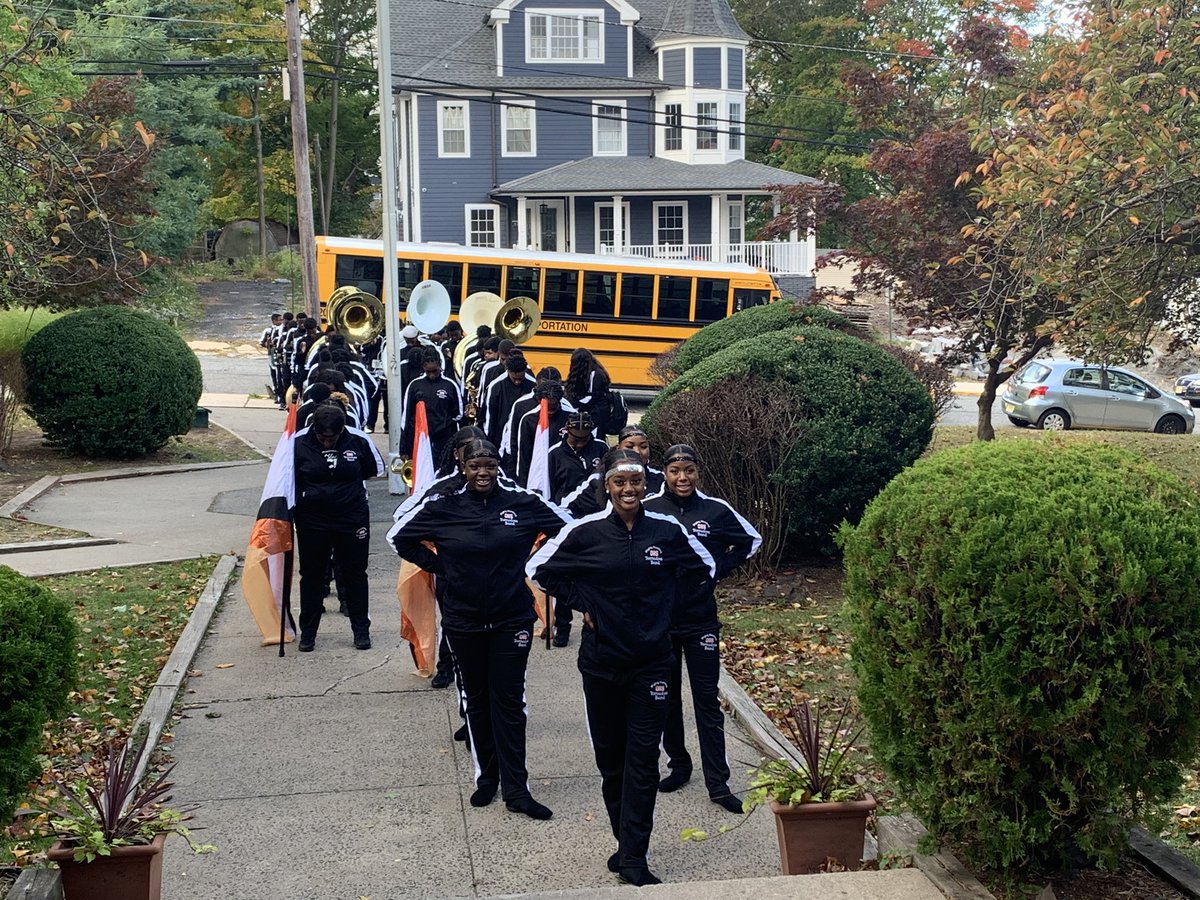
x=267, y=576
x=418, y=603
x=539, y=463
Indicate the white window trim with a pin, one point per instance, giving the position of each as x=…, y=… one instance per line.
x=654, y=207
x=624, y=151
x=441, y=107
x=531, y=105
x=471, y=207
x=596, y=217
x=663, y=125
x=550, y=13
x=740, y=206
x=699, y=128
x=731, y=123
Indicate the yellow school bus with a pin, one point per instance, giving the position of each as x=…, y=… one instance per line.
x=626, y=310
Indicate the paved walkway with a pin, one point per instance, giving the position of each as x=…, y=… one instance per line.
x=334, y=774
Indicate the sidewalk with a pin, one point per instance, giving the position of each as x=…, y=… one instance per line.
x=334, y=774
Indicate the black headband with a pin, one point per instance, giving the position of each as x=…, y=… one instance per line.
x=480, y=450
x=680, y=453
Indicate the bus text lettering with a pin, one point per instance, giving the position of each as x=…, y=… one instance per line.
x=554, y=325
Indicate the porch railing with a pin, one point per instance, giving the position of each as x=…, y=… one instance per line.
x=777, y=257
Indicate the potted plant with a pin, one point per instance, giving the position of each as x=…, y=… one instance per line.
x=111, y=832
x=820, y=812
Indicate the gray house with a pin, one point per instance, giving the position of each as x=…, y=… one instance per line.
x=590, y=126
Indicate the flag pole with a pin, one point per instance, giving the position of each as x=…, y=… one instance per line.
x=285, y=613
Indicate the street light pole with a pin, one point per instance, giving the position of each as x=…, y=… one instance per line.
x=304, y=212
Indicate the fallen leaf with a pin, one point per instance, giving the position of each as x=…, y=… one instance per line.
x=226, y=665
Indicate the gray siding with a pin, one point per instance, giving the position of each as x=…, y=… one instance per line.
x=674, y=66
x=706, y=67
x=735, y=58
x=615, y=44
x=585, y=223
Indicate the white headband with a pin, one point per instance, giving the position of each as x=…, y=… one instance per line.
x=629, y=468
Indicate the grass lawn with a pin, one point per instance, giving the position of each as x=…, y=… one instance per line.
x=129, y=621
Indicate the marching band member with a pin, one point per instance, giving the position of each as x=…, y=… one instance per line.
x=632, y=437
x=443, y=403
x=552, y=393
x=483, y=531
x=696, y=630
x=501, y=393
x=620, y=567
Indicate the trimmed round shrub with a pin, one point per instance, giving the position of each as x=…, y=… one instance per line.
x=858, y=417
x=37, y=671
x=110, y=381
x=754, y=320
x=1025, y=632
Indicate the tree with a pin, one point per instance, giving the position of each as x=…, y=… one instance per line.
x=72, y=175
x=1094, y=183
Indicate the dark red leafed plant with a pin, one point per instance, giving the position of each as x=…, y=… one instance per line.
x=819, y=774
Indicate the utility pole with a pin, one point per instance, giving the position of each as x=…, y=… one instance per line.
x=262, y=204
x=304, y=210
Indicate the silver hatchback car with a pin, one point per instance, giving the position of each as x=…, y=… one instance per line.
x=1060, y=393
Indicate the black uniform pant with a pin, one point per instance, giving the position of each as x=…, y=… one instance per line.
x=626, y=715
x=278, y=384
x=703, y=654
x=315, y=546
x=379, y=398
x=492, y=667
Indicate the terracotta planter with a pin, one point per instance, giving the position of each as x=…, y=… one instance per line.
x=131, y=873
x=811, y=833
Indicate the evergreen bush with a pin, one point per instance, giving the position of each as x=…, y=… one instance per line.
x=37, y=671
x=1025, y=632
x=750, y=322
x=860, y=417
x=110, y=381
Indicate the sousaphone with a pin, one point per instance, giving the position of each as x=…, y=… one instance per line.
x=428, y=307
x=356, y=314
x=480, y=308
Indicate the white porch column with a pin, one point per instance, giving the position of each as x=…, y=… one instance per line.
x=618, y=225
x=718, y=250
x=522, y=223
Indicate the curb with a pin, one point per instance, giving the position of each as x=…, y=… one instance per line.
x=56, y=544
x=161, y=699
x=233, y=433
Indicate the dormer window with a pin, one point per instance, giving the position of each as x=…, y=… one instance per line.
x=564, y=35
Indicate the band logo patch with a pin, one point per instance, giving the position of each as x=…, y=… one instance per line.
x=441, y=394
x=654, y=556
x=350, y=456
x=362, y=533
x=508, y=517
x=658, y=690
x=709, y=642
x=521, y=639
x=331, y=458
x=701, y=529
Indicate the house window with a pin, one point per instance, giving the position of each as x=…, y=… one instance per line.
x=454, y=130
x=735, y=126
x=606, y=224
x=482, y=228
x=564, y=36
x=673, y=126
x=519, y=129
x=670, y=224
x=706, y=126
x=608, y=129
x=737, y=223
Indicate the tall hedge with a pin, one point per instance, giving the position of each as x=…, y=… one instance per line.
x=860, y=417
x=38, y=639
x=1026, y=631
x=750, y=322
x=110, y=381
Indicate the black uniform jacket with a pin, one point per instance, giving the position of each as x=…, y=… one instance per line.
x=497, y=404
x=624, y=579
x=483, y=542
x=728, y=537
x=443, y=410
x=584, y=499
x=569, y=467
x=329, y=483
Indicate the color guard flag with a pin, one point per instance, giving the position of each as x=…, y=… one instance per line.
x=539, y=464
x=418, y=603
x=267, y=576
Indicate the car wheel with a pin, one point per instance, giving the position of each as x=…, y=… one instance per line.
x=1054, y=420
x=1170, y=425
x=1020, y=423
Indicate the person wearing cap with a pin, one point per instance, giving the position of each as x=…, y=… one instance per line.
x=552, y=393
x=497, y=404
x=331, y=462
x=524, y=403
x=575, y=457
x=620, y=567
x=443, y=403
x=633, y=437
x=482, y=531
x=695, y=628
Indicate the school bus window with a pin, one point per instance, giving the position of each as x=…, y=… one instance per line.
x=562, y=286
x=599, y=293
x=451, y=277
x=522, y=282
x=637, y=296
x=744, y=298
x=408, y=272
x=674, y=297
x=362, y=272
x=482, y=278
x=712, y=299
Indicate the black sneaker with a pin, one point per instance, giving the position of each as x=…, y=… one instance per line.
x=441, y=679
x=343, y=608
x=362, y=642
x=562, y=635
x=307, y=645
